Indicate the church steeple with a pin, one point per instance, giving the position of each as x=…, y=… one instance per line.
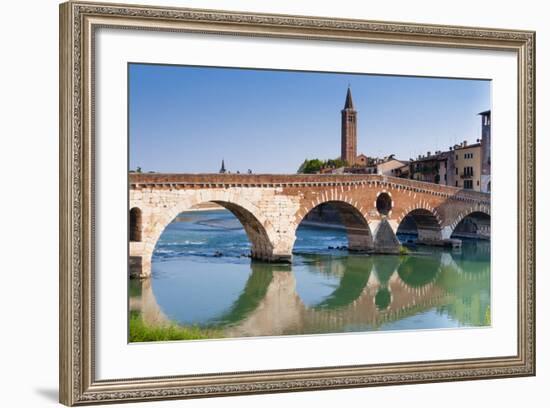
x=349, y=100
x=222, y=169
x=349, y=131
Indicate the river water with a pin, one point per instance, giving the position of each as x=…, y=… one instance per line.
x=203, y=277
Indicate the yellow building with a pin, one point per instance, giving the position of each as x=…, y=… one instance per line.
x=467, y=166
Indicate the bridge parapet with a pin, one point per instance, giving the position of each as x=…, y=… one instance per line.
x=215, y=180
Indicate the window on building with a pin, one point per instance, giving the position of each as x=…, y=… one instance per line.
x=457, y=156
x=456, y=183
x=456, y=171
x=468, y=184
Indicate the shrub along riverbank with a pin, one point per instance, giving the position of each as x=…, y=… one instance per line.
x=141, y=332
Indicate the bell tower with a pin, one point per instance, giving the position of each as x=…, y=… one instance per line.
x=349, y=131
x=485, y=151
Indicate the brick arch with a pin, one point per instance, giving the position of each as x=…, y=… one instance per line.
x=331, y=196
x=259, y=229
x=483, y=209
x=353, y=217
x=428, y=222
x=419, y=205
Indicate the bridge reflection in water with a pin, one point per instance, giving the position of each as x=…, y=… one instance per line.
x=355, y=293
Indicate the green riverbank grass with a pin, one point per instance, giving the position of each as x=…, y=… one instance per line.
x=141, y=332
x=488, y=316
x=403, y=250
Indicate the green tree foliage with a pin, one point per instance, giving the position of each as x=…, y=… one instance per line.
x=315, y=165
x=336, y=163
x=302, y=166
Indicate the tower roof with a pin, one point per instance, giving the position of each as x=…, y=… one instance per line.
x=349, y=100
x=222, y=169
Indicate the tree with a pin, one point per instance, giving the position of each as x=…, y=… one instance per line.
x=312, y=166
x=302, y=166
x=315, y=165
x=336, y=163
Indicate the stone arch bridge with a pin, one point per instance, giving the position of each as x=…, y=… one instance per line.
x=271, y=207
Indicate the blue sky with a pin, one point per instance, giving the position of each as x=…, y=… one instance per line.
x=186, y=119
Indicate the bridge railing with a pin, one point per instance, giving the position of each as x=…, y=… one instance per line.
x=292, y=180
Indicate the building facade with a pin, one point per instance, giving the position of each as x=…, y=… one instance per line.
x=362, y=160
x=387, y=166
x=431, y=168
x=467, y=166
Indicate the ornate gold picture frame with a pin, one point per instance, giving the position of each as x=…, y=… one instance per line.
x=79, y=22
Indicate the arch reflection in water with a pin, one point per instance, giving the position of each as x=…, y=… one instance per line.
x=324, y=292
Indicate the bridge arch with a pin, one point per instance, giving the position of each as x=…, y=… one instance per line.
x=352, y=217
x=262, y=245
x=424, y=219
x=258, y=228
x=475, y=222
